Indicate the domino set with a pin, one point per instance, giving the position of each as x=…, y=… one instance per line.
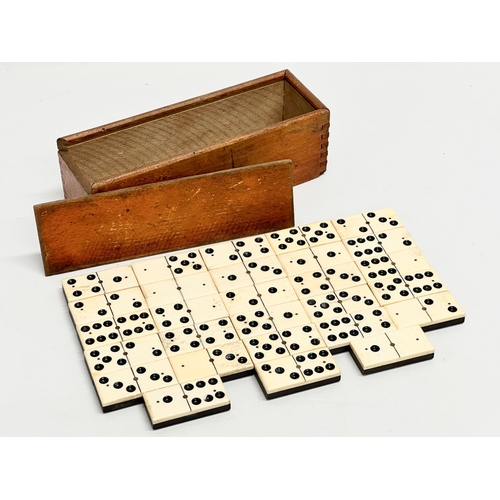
x=171, y=330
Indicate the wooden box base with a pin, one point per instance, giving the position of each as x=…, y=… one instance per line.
x=267, y=119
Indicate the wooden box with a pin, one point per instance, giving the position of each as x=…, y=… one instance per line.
x=268, y=119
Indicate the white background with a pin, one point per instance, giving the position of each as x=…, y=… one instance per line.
x=417, y=137
x=421, y=138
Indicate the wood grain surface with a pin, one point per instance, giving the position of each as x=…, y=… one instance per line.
x=166, y=216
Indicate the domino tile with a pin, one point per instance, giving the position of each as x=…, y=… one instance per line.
x=382, y=220
x=217, y=332
x=154, y=375
x=319, y=233
x=389, y=350
x=253, y=247
x=183, y=402
x=98, y=333
x=231, y=360
x=266, y=347
x=287, y=240
x=186, y=263
x=117, y=389
x=180, y=340
x=117, y=278
x=82, y=287
x=136, y=324
x=151, y=270
x=158, y=330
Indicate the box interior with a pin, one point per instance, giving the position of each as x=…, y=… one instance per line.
x=187, y=131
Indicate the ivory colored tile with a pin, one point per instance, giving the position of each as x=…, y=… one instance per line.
x=330, y=255
x=166, y=406
x=377, y=268
x=98, y=333
x=287, y=240
x=117, y=278
x=192, y=366
x=395, y=240
x=81, y=287
x=186, y=263
x=287, y=315
x=154, y=375
x=265, y=269
x=206, y=395
x=90, y=310
x=137, y=324
x=323, y=307
x=396, y=348
x=279, y=376
x=117, y=389
x=411, y=343
x=183, y=402
x=374, y=352
x=231, y=360
x=339, y=332
x=207, y=308
x=161, y=292
x=357, y=298
x=251, y=323
x=311, y=284
x=408, y=313
x=364, y=247
x=319, y=233
x=383, y=219
x=390, y=290
x=373, y=321
x=409, y=260
x=442, y=307
x=219, y=255
x=317, y=365
x=126, y=301
x=424, y=282
x=242, y=299
x=144, y=349
x=302, y=338
x=229, y=278
x=266, y=347
x=276, y=292
x=196, y=285
x=253, y=247
x=345, y=275
x=352, y=226
x=180, y=340
x=172, y=315
x=299, y=262
x=151, y=270
x=106, y=358
x=216, y=332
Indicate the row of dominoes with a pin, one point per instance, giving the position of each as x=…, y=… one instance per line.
x=277, y=304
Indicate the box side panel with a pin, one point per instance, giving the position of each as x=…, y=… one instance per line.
x=71, y=186
x=294, y=104
x=147, y=220
x=304, y=140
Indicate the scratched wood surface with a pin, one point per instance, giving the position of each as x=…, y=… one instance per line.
x=263, y=120
x=171, y=215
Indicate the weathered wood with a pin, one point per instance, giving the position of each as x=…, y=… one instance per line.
x=263, y=120
x=166, y=216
